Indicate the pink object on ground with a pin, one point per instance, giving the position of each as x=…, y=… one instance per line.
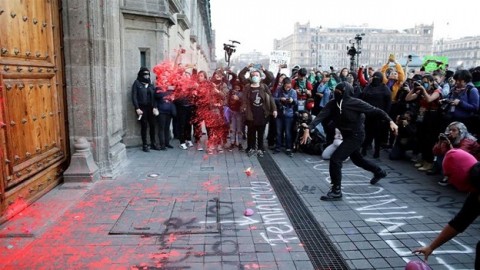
x=248, y=212
x=417, y=265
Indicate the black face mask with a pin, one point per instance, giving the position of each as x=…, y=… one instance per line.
x=338, y=96
x=144, y=78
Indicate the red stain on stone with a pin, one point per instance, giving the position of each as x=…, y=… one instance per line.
x=171, y=239
x=211, y=187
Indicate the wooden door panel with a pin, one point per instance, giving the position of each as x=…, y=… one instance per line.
x=29, y=32
x=33, y=127
x=32, y=119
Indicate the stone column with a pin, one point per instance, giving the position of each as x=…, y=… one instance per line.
x=82, y=168
x=93, y=77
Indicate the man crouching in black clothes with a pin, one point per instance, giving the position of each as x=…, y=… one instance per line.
x=348, y=115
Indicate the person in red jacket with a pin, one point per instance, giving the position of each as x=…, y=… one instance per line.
x=303, y=87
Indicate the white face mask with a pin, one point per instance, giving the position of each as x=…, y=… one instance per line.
x=255, y=79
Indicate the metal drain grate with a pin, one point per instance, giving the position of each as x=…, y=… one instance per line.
x=320, y=249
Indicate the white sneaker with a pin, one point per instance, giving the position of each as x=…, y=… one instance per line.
x=189, y=143
x=183, y=146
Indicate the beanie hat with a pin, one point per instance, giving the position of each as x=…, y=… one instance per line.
x=456, y=166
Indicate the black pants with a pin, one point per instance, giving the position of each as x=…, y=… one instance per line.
x=375, y=129
x=350, y=147
x=164, y=121
x=272, y=131
x=255, y=136
x=184, y=118
x=147, y=122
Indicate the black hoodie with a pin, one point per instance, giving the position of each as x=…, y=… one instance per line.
x=377, y=93
x=348, y=114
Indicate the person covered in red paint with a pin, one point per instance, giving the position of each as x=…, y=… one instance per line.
x=209, y=102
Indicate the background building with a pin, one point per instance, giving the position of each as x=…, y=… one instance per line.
x=463, y=52
x=314, y=46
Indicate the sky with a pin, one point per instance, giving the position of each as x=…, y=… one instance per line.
x=256, y=23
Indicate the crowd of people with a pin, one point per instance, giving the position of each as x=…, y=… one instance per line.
x=434, y=111
x=430, y=118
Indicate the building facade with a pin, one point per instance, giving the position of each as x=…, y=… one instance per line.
x=461, y=53
x=67, y=67
x=316, y=46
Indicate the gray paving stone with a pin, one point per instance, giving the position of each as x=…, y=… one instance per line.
x=361, y=264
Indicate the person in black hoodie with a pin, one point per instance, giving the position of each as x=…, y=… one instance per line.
x=348, y=115
x=379, y=95
x=143, y=101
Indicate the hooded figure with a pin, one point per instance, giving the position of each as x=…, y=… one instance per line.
x=143, y=75
x=143, y=101
x=377, y=78
x=379, y=95
x=348, y=114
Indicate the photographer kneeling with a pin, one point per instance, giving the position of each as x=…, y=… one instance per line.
x=456, y=136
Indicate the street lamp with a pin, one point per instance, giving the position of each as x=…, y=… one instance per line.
x=354, y=52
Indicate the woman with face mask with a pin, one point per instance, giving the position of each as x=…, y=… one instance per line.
x=257, y=104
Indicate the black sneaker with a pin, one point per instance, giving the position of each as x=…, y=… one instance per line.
x=443, y=182
x=154, y=147
x=289, y=153
x=145, y=148
x=240, y=148
x=377, y=177
x=260, y=153
x=169, y=146
x=332, y=195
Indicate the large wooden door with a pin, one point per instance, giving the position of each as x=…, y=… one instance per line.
x=32, y=117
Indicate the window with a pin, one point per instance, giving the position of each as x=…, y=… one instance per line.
x=143, y=58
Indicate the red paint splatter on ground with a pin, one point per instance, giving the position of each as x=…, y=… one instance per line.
x=253, y=266
x=211, y=187
x=250, y=204
x=16, y=207
x=171, y=239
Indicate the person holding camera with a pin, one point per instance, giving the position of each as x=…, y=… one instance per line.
x=456, y=135
x=406, y=138
x=286, y=101
x=463, y=101
x=303, y=88
x=348, y=115
x=429, y=123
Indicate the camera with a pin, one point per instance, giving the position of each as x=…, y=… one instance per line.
x=443, y=136
x=417, y=83
x=444, y=104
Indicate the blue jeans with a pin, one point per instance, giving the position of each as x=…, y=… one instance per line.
x=284, y=125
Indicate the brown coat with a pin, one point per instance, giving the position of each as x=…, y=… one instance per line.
x=268, y=105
